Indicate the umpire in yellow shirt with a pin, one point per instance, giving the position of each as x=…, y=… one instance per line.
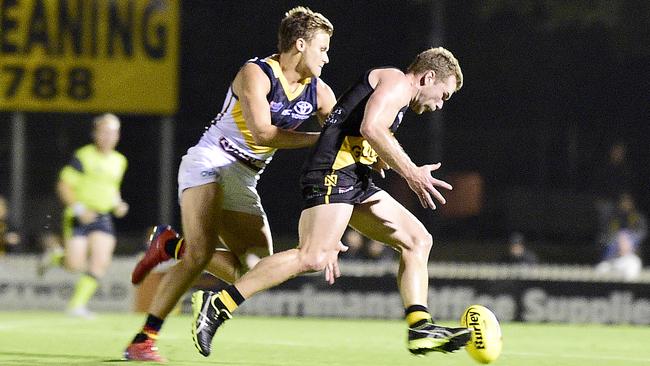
x=89, y=187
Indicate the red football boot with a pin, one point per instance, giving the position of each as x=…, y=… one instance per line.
x=155, y=253
x=143, y=351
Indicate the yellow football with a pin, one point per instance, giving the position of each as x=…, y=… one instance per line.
x=486, y=342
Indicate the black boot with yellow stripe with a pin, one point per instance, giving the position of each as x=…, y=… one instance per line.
x=209, y=311
x=424, y=336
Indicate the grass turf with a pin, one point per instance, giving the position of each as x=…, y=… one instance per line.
x=41, y=338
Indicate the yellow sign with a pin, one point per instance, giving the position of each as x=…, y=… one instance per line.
x=89, y=56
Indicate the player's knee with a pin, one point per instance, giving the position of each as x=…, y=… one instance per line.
x=97, y=273
x=198, y=257
x=74, y=265
x=419, y=245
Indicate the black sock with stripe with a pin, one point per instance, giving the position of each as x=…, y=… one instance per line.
x=228, y=298
x=175, y=247
x=150, y=329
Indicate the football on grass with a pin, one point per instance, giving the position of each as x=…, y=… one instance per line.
x=485, y=344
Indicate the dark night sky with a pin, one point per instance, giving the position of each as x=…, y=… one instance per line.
x=546, y=91
x=533, y=91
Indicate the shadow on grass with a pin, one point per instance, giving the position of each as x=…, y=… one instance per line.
x=29, y=358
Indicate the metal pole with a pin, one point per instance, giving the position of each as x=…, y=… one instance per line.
x=17, y=186
x=166, y=196
x=436, y=124
x=433, y=131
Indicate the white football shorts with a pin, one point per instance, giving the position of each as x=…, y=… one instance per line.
x=203, y=165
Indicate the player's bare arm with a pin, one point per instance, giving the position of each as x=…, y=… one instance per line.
x=392, y=92
x=326, y=100
x=251, y=85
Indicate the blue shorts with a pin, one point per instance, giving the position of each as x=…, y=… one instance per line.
x=73, y=227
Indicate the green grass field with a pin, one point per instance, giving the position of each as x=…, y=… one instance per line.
x=39, y=338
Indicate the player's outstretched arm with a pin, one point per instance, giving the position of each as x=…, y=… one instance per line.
x=392, y=93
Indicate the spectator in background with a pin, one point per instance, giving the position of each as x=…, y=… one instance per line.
x=89, y=187
x=626, y=216
x=611, y=180
x=518, y=253
x=9, y=239
x=625, y=263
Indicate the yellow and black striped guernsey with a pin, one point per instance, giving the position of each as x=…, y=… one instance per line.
x=338, y=167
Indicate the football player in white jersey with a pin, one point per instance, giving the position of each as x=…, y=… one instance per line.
x=267, y=100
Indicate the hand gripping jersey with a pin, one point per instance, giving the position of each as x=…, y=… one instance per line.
x=341, y=148
x=288, y=111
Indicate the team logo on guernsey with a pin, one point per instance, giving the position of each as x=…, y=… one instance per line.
x=276, y=106
x=331, y=180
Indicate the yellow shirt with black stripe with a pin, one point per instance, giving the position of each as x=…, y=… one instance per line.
x=95, y=178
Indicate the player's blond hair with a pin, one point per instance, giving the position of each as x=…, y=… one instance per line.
x=441, y=61
x=109, y=118
x=301, y=22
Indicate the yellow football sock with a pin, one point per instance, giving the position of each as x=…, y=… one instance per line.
x=416, y=313
x=57, y=258
x=417, y=316
x=226, y=300
x=83, y=291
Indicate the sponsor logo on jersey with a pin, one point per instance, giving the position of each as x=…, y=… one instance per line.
x=209, y=173
x=303, y=107
x=334, y=116
x=251, y=162
x=276, y=106
x=345, y=190
x=301, y=110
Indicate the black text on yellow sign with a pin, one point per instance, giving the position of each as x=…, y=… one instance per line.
x=89, y=55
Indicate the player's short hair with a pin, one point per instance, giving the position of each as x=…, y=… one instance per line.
x=301, y=22
x=441, y=61
x=109, y=118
